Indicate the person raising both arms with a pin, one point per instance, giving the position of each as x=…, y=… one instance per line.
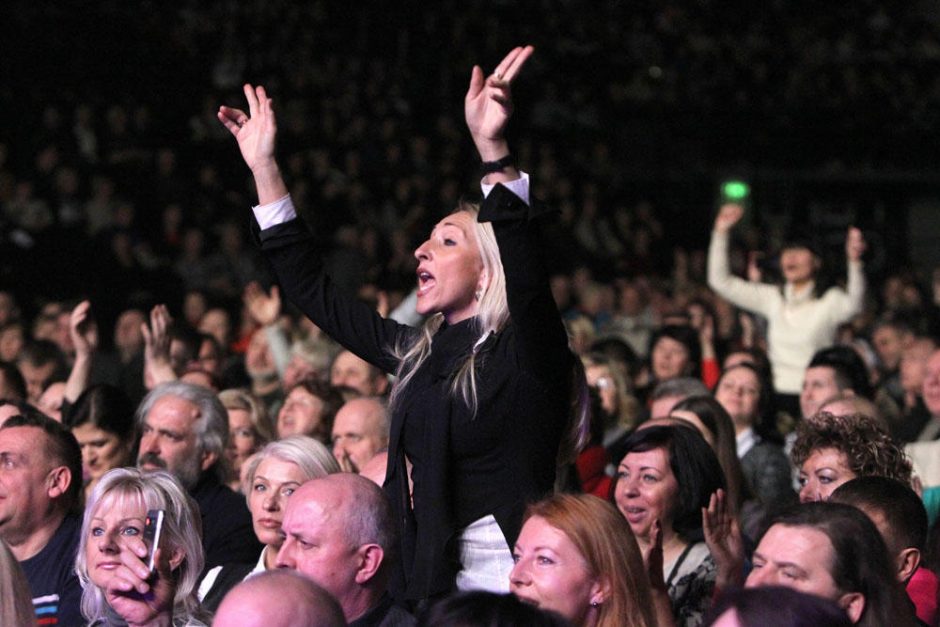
x=485, y=404
x=802, y=319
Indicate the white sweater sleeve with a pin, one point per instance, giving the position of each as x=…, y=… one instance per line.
x=749, y=295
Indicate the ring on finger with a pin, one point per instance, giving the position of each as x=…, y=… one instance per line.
x=242, y=122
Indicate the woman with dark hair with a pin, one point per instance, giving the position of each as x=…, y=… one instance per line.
x=830, y=450
x=800, y=320
x=833, y=551
x=663, y=483
x=775, y=606
x=748, y=399
x=484, y=408
x=713, y=422
x=102, y=420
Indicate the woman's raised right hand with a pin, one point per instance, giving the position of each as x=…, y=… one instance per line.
x=728, y=216
x=254, y=131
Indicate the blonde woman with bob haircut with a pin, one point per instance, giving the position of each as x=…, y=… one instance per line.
x=577, y=556
x=271, y=477
x=487, y=404
x=112, y=551
x=16, y=601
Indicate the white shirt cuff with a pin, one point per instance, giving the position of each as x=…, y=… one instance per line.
x=274, y=213
x=519, y=187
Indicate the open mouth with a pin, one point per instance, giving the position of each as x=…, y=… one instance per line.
x=425, y=281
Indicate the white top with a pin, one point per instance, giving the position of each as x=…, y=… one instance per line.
x=799, y=324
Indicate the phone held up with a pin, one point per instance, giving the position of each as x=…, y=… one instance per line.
x=153, y=529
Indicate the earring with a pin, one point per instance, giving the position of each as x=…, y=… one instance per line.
x=478, y=294
x=595, y=604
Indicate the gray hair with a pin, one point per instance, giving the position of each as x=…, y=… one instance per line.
x=311, y=456
x=212, y=421
x=680, y=387
x=182, y=530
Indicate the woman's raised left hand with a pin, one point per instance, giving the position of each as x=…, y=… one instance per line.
x=488, y=104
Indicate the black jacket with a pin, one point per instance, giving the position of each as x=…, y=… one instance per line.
x=465, y=466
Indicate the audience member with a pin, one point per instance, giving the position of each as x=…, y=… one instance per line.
x=901, y=519
x=748, y=399
x=299, y=602
x=349, y=520
x=40, y=466
x=309, y=409
x=666, y=478
x=249, y=428
x=833, y=551
x=102, y=421
x=16, y=605
x=576, y=556
x=360, y=430
x=184, y=430
x=112, y=554
x=833, y=371
x=350, y=371
x=272, y=475
x=830, y=450
x=775, y=606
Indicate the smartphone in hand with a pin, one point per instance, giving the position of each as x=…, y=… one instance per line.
x=153, y=529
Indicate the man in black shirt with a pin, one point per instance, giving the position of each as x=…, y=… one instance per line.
x=184, y=430
x=40, y=490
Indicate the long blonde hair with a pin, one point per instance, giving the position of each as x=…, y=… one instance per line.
x=492, y=317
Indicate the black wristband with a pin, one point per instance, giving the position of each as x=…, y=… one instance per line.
x=489, y=167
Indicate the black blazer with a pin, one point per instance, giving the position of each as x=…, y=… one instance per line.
x=465, y=466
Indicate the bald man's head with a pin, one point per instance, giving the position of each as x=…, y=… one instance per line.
x=299, y=602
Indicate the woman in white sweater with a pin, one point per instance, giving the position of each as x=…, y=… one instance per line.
x=800, y=322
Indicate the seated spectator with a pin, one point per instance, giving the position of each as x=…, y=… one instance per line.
x=40, y=362
x=299, y=601
x=666, y=478
x=901, y=519
x=748, y=398
x=39, y=518
x=248, y=430
x=16, y=605
x=12, y=383
x=666, y=394
x=272, y=475
x=621, y=411
x=674, y=352
x=112, y=544
x=309, y=409
x=833, y=551
x=577, y=557
x=775, y=606
x=833, y=371
x=711, y=420
x=931, y=395
x=830, y=450
x=350, y=371
x=102, y=420
x=184, y=430
x=913, y=372
x=360, y=430
x=349, y=520
x=483, y=609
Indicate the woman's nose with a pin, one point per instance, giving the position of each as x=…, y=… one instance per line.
x=421, y=252
x=518, y=576
x=106, y=543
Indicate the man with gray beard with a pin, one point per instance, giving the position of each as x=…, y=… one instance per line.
x=184, y=430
